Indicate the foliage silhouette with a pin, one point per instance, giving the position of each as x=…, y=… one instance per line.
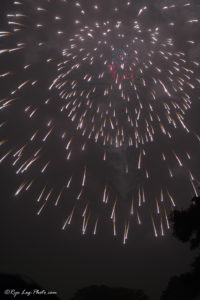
x=186, y=224
x=186, y=228
x=107, y=293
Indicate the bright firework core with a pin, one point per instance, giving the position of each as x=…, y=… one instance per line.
x=119, y=65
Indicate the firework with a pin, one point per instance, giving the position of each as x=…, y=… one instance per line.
x=110, y=79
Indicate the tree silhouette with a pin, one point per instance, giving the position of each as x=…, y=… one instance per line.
x=108, y=293
x=186, y=228
x=186, y=224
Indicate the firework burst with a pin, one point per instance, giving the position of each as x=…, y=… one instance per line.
x=113, y=79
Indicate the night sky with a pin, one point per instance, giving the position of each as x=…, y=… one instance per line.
x=133, y=142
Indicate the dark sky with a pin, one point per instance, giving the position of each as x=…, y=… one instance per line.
x=35, y=245
x=66, y=261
